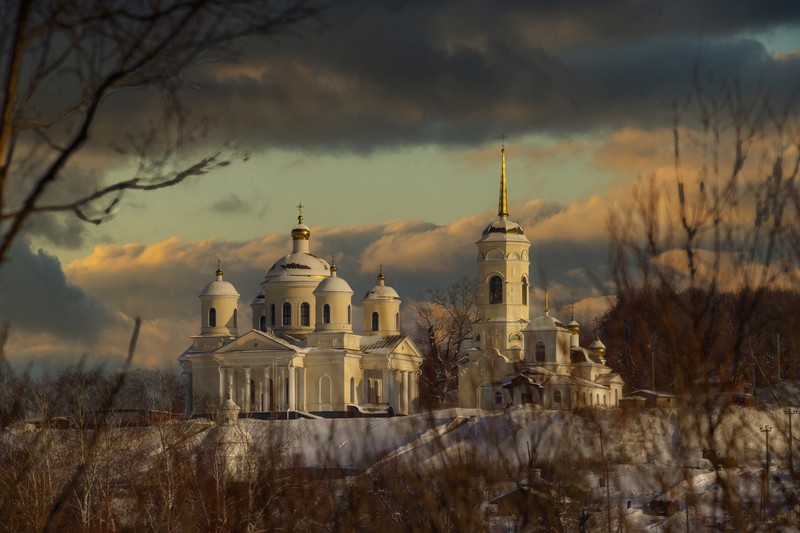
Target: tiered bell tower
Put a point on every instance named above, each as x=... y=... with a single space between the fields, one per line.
x=503 y=281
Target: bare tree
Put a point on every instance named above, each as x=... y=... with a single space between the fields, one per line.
x=701 y=255
x=443 y=328
x=62 y=65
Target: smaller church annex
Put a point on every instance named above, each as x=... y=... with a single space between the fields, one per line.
x=516 y=359
x=301 y=355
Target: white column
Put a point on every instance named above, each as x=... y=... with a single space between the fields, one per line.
x=292 y=389
x=229 y=376
x=222 y=384
x=388 y=389
x=259 y=380
x=404 y=389
x=246 y=406
x=267 y=399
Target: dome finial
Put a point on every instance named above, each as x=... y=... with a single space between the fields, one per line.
x=502 y=208
x=333 y=265
x=219 y=269
x=300 y=213
x=380 y=273
x=546 y=302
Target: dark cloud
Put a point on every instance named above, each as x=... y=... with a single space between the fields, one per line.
x=63 y=230
x=457 y=73
x=231 y=205
x=35 y=296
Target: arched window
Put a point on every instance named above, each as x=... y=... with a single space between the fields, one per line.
x=495 y=290
x=235 y=317
x=397 y=322
x=524 y=291
x=262 y=323
x=305 y=314
x=348 y=313
x=352 y=390
x=557 y=397
x=271 y=314
x=539 y=352
x=326 y=314
x=287 y=314
x=498 y=398
x=325 y=389
x=375 y=321
x=212 y=317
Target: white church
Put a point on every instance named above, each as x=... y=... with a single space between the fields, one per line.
x=303 y=356
x=516 y=359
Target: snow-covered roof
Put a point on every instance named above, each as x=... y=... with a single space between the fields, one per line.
x=218 y=287
x=381 y=344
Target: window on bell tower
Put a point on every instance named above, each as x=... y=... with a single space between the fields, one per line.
x=212 y=317
x=539 y=352
x=326 y=314
x=374 y=321
x=287 y=314
x=495 y=290
x=305 y=314
x=524 y=291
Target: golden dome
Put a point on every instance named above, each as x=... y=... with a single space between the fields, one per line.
x=301 y=231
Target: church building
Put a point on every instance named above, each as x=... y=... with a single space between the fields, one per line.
x=301 y=355
x=516 y=359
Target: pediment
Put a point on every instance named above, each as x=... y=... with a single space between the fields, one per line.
x=255 y=340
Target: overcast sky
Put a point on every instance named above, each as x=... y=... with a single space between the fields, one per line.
x=383 y=121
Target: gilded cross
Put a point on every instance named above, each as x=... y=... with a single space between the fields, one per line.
x=503 y=139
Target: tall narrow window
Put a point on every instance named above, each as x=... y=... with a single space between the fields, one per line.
x=539 y=351
x=375 y=321
x=235 y=317
x=397 y=322
x=271 y=314
x=557 y=396
x=352 y=390
x=287 y=314
x=326 y=314
x=495 y=290
x=305 y=314
x=524 y=291
x=348 y=313
x=262 y=323
x=212 y=317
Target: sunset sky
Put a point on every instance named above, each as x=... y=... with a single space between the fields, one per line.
x=383 y=119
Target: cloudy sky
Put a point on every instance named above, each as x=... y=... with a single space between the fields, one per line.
x=383 y=119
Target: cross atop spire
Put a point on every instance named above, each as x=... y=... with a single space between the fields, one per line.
x=546 y=302
x=300 y=213
x=219 y=268
x=502 y=208
x=503 y=138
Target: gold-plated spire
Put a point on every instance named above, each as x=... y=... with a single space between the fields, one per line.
x=219 y=268
x=300 y=213
x=333 y=265
x=380 y=273
x=502 y=208
x=546 y=302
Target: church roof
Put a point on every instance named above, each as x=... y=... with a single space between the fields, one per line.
x=582 y=355
x=381 y=291
x=381 y=344
x=298 y=265
x=219 y=287
x=545 y=323
x=333 y=283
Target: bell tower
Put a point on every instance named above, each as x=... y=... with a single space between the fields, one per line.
x=503 y=280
